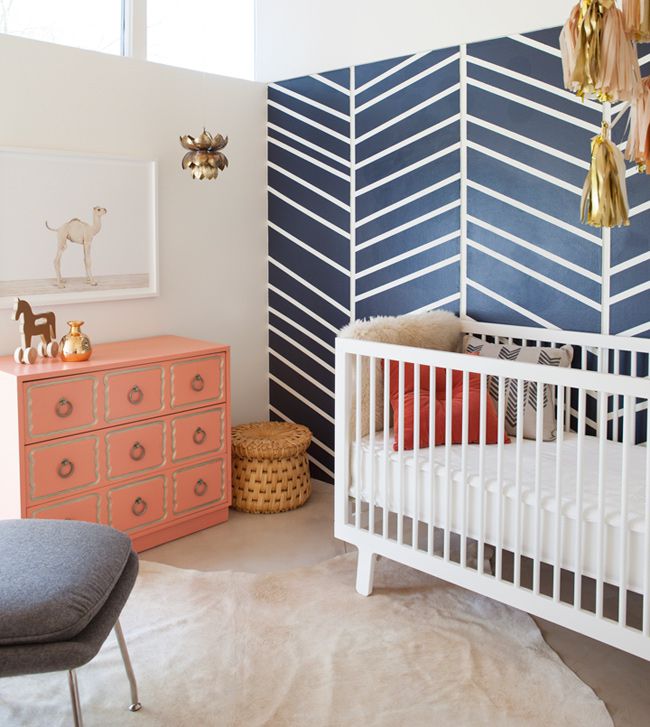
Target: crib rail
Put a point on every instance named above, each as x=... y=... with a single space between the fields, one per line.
x=559 y=528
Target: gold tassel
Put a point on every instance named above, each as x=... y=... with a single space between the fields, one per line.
x=604 y=196
x=637 y=148
x=637 y=19
x=598 y=58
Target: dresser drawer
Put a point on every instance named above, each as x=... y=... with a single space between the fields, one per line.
x=86 y=507
x=135 y=449
x=61 y=467
x=198 y=381
x=134 y=393
x=134 y=506
x=198 y=434
x=60 y=406
x=198 y=486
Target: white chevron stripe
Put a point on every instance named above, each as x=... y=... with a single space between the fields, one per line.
x=309 y=101
x=407 y=225
x=509 y=304
x=391 y=71
x=308 y=212
x=309 y=144
x=533 y=171
x=639 y=209
x=304 y=309
x=538 y=146
x=548 y=111
x=536 y=44
x=311 y=187
x=409 y=112
x=534 y=274
x=314 y=439
x=637 y=330
x=320 y=466
x=406 y=200
x=410 y=168
x=534 y=248
x=631 y=263
x=300 y=347
x=309 y=286
x=308 y=121
x=644 y=60
x=410 y=140
x=308 y=158
x=437 y=304
x=630 y=293
x=537 y=213
x=302 y=373
x=310 y=250
x=530 y=81
x=408 y=278
x=302 y=329
x=301 y=398
x=409 y=82
x=409 y=253
x=331 y=84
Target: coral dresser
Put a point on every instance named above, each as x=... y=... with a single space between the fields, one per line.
x=138 y=437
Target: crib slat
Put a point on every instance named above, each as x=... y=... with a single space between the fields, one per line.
x=416 y=456
x=400 y=455
x=616 y=399
x=580 y=455
x=357 y=440
x=372 y=406
x=628 y=412
x=518 y=464
x=559 y=443
x=500 y=445
x=463 y=470
x=481 y=473
x=600 y=547
x=448 y=478
x=386 y=447
x=539 y=432
x=432 y=443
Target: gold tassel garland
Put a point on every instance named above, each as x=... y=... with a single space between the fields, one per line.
x=598 y=58
x=637 y=148
x=637 y=19
x=604 y=196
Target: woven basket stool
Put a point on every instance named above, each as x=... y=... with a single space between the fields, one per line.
x=270 y=472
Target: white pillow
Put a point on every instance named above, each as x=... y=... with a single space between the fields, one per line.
x=544 y=356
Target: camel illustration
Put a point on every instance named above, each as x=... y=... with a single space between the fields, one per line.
x=82 y=233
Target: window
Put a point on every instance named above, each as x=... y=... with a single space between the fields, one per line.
x=91 y=24
x=216 y=36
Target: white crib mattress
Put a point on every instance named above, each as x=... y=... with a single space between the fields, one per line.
x=380 y=470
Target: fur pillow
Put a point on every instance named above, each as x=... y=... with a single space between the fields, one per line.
x=437 y=329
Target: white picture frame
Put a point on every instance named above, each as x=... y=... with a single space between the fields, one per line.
x=68 y=191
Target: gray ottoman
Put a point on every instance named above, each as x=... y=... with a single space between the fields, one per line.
x=63 y=585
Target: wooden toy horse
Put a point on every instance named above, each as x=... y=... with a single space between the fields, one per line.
x=34 y=324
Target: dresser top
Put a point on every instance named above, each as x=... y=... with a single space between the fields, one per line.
x=137 y=352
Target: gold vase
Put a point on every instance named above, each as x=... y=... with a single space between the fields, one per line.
x=75 y=345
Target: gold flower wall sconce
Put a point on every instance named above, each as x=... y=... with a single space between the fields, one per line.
x=204 y=157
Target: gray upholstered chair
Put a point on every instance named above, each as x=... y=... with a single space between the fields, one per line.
x=63 y=585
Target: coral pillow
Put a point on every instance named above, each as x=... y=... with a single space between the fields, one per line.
x=473 y=413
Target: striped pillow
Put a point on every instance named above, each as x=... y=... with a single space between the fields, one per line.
x=526 y=354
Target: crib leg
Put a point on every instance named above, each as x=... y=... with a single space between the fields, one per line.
x=365 y=571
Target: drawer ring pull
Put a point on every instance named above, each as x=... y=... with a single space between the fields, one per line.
x=63 y=408
x=137 y=452
x=65 y=468
x=139 y=507
x=135 y=395
x=198 y=384
x=199 y=435
x=200 y=488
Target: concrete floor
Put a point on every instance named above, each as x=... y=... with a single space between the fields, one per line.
x=263 y=543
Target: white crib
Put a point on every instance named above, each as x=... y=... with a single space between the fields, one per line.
x=560 y=529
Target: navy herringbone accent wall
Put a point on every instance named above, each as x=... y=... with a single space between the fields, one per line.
x=443 y=179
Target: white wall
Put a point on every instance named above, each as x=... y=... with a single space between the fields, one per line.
x=212 y=234
x=296 y=38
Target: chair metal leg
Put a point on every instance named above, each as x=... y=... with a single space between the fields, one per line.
x=74 y=697
x=135 y=705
